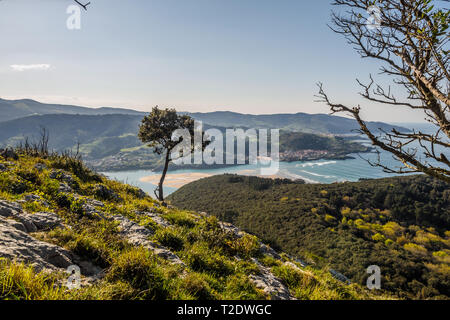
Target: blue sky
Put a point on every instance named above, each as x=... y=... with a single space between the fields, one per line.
x=249 y=56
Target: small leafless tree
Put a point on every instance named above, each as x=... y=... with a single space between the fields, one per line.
x=410 y=39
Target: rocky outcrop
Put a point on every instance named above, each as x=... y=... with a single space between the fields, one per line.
x=43 y=221
x=40 y=167
x=339 y=276
x=35 y=198
x=8 y=209
x=156 y=218
x=17 y=245
x=67 y=182
x=140 y=236
x=271 y=285
x=90 y=211
x=39 y=221
x=230 y=228
x=64 y=188
x=105 y=193
x=265 y=249
x=61 y=175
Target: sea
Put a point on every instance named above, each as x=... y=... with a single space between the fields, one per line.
x=317 y=171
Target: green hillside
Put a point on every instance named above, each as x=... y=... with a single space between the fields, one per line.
x=400 y=224
x=56 y=213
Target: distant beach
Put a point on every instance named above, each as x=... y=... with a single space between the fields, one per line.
x=177 y=180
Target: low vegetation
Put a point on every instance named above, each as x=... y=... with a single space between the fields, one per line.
x=215 y=263
x=400 y=224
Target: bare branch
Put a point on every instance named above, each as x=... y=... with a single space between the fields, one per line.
x=84 y=6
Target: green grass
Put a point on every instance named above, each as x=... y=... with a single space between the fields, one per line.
x=209 y=252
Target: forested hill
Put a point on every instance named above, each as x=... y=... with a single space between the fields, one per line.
x=401 y=224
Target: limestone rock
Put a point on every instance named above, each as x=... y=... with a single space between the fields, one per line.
x=265 y=249
x=270 y=284
x=140 y=236
x=42 y=220
x=8 y=209
x=40 y=166
x=64 y=188
x=228 y=227
x=15 y=244
x=135 y=233
x=339 y=276
x=35 y=198
x=30 y=222
x=158 y=219
x=92 y=212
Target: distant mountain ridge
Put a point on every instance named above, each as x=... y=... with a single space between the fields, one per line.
x=301 y=122
x=15 y=109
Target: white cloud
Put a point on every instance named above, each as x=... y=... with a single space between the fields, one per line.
x=26 y=67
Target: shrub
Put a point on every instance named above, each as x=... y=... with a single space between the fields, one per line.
x=50 y=187
x=21 y=282
x=12 y=184
x=18 y=186
x=73 y=163
x=378 y=237
x=238 y=287
x=201 y=259
x=440 y=254
x=246 y=246
x=30 y=175
x=140 y=269
x=63 y=201
x=170 y=239
x=292 y=277
x=268 y=261
x=104 y=193
x=76 y=207
x=196 y=286
x=414 y=248
x=85 y=245
x=345 y=211
x=180 y=218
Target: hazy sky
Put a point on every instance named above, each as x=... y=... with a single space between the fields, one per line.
x=248 y=56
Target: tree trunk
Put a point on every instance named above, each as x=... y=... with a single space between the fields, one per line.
x=163 y=176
